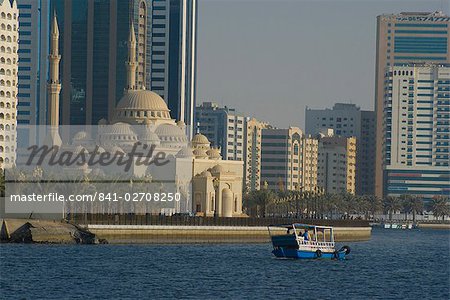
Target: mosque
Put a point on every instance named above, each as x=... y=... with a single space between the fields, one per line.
x=213 y=186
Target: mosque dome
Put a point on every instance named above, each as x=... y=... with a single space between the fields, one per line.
x=206 y=174
x=119 y=134
x=213 y=153
x=217 y=169
x=138 y=105
x=149 y=137
x=81 y=135
x=200 y=139
x=185 y=152
x=171 y=135
x=200 y=153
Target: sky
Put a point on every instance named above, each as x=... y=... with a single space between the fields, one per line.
x=272 y=59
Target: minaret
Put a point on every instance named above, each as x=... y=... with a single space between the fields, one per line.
x=54 y=86
x=131 y=63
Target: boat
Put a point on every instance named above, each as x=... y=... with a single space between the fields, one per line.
x=293 y=244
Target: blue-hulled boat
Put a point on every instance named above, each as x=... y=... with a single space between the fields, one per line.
x=318 y=242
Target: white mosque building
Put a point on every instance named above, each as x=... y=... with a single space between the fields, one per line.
x=212 y=185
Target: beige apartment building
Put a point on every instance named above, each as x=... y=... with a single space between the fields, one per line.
x=310 y=148
x=252 y=154
x=336 y=163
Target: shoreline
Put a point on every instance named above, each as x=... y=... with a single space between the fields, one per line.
x=57 y=232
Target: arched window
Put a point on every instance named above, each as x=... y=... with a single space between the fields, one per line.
x=3 y=49
x=9 y=39
x=3 y=26
x=9 y=28
x=1 y=149
x=2 y=138
x=2 y=104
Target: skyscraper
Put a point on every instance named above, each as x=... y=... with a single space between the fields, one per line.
x=9 y=45
x=404 y=38
x=349 y=120
x=33 y=66
x=94 y=46
x=416 y=130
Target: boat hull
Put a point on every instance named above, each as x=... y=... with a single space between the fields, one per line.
x=300 y=254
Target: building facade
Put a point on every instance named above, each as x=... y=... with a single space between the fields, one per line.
x=404 y=38
x=9 y=45
x=416 y=130
x=224 y=127
x=33 y=67
x=94 y=45
x=310 y=151
x=349 y=120
x=252 y=154
x=281 y=160
x=337 y=164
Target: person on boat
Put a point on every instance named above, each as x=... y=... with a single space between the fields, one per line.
x=306 y=235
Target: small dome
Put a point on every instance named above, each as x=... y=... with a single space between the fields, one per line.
x=171 y=135
x=213 y=153
x=217 y=169
x=149 y=137
x=81 y=135
x=200 y=139
x=205 y=174
x=185 y=152
x=119 y=128
x=102 y=122
x=200 y=153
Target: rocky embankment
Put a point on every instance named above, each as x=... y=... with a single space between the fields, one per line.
x=45 y=232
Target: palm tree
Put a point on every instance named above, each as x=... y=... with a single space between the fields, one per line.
x=416 y=206
x=440 y=207
x=391 y=204
x=405 y=202
x=375 y=204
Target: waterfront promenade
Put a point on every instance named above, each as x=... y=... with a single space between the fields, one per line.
x=160 y=229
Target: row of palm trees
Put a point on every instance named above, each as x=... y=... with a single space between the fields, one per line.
x=318 y=205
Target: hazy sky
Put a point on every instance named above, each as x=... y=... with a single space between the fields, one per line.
x=271 y=59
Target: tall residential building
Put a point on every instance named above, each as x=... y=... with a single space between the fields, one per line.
x=33 y=66
x=337 y=164
x=349 y=120
x=224 y=127
x=416 y=130
x=281 y=159
x=9 y=45
x=404 y=38
x=310 y=150
x=252 y=154
x=94 y=38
